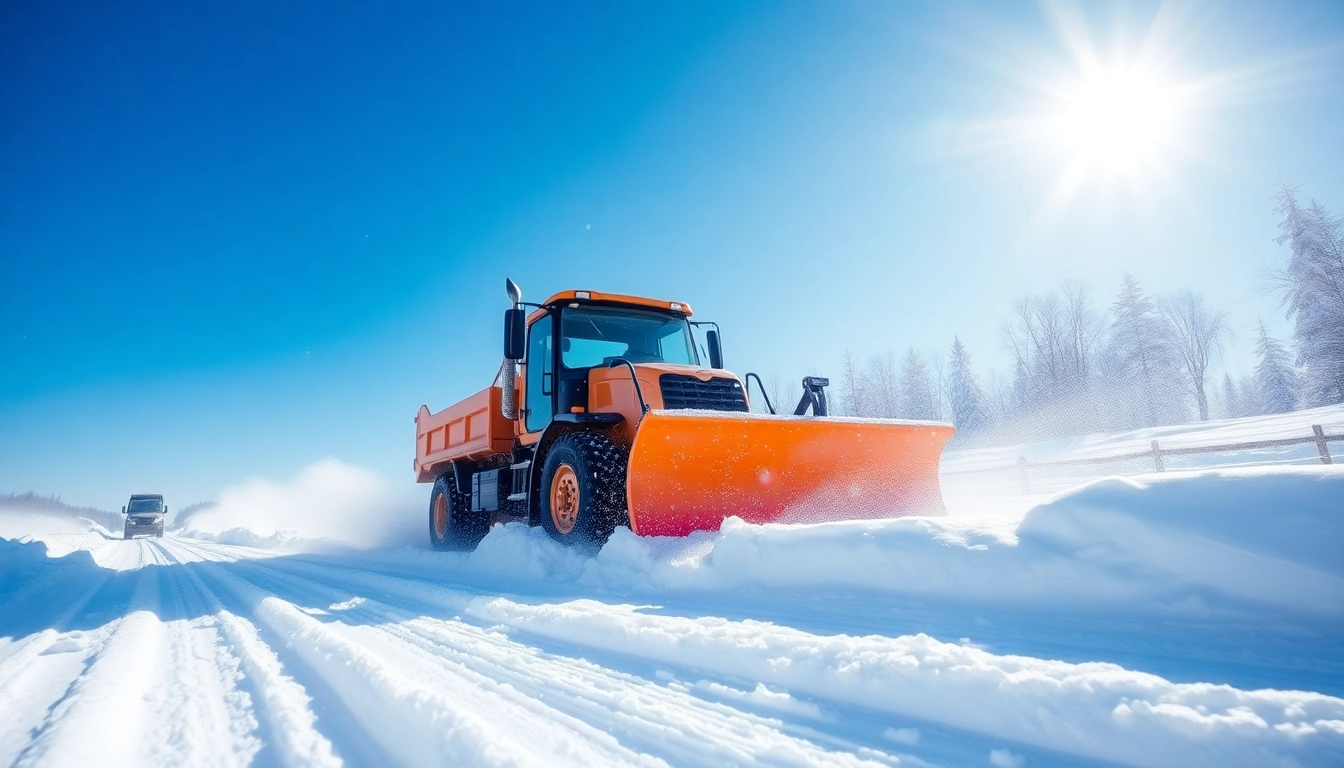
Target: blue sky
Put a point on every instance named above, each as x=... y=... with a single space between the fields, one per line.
x=238 y=238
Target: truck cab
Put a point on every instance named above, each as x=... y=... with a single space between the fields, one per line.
x=591 y=353
x=144 y=515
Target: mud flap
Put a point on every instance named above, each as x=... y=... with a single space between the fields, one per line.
x=691 y=469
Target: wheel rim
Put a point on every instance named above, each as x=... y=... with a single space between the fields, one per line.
x=564 y=499
x=441 y=515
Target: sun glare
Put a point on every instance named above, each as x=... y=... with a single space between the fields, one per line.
x=1116 y=120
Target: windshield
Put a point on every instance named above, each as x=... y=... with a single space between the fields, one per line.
x=593 y=336
x=143 y=506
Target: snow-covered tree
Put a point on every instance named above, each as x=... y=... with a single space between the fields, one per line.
x=1141 y=362
x=970 y=405
x=1313 y=292
x=1201 y=333
x=1248 y=396
x=938 y=367
x=1053 y=340
x=882 y=387
x=1275 y=378
x=1231 y=400
x=853 y=399
x=917 y=397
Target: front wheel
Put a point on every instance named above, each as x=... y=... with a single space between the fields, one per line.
x=583 y=488
x=452 y=524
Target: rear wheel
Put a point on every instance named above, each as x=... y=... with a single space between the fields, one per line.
x=452 y=524
x=583 y=488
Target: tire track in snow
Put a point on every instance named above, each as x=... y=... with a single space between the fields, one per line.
x=412 y=722
x=336 y=726
x=103 y=714
x=447 y=638
x=201 y=715
x=284 y=704
x=38 y=673
x=1096 y=710
x=466 y=659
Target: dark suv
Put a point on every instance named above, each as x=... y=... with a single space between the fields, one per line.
x=144 y=515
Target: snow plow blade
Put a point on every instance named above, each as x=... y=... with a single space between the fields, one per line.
x=690 y=470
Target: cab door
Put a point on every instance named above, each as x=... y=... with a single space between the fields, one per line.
x=539 y=376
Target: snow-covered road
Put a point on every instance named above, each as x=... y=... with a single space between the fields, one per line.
x=1080 y=635
x=178 y=652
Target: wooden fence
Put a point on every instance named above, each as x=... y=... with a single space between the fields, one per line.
x=1155 y=452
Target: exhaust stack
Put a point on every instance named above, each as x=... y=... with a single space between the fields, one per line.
x=508 y=404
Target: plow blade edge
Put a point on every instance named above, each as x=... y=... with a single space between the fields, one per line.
x=690 y=470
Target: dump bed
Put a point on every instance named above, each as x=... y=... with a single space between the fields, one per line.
x=471 y=429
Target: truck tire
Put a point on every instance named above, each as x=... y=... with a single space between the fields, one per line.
x=452 y=524
x=127 y=535
x=582 y=493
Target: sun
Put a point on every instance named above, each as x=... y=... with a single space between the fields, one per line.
x=1117 y=120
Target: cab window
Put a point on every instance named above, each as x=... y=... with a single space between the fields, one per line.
x=595 y=336
x=540 y=376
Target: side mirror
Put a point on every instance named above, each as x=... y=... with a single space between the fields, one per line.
x=123 y=509
x=165 y=510
x=515 y=334
x=715 y=351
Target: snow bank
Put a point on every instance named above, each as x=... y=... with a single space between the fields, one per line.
x=328 y=500
x=1269 y=536
x=60 y=535
x=1174 y=543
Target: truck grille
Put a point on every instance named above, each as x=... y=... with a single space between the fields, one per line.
x=717 y=394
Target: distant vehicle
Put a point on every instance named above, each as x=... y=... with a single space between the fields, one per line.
x=144 y=515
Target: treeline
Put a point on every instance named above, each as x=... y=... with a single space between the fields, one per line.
x=1140 y=361
x=52 y=506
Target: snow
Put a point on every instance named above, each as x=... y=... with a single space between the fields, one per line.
x=1188 y=618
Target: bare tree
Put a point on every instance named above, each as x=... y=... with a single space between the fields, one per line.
x=882 y=387
x=1201 y=333
x=940 y=385
x=1053 y=340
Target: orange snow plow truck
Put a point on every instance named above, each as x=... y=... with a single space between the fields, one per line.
x=605 y=414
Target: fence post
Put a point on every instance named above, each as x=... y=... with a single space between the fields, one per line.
x=1321 y=446
x=1157 y=458
x=1026 y=480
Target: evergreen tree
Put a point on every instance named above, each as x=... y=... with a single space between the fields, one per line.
x=917 y=398
x=970 y=406
x=1313 y=291
x=1231 y=402
x=1275 y=378
x=1248 y=395
x=1142 y=361
x=852 y=396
